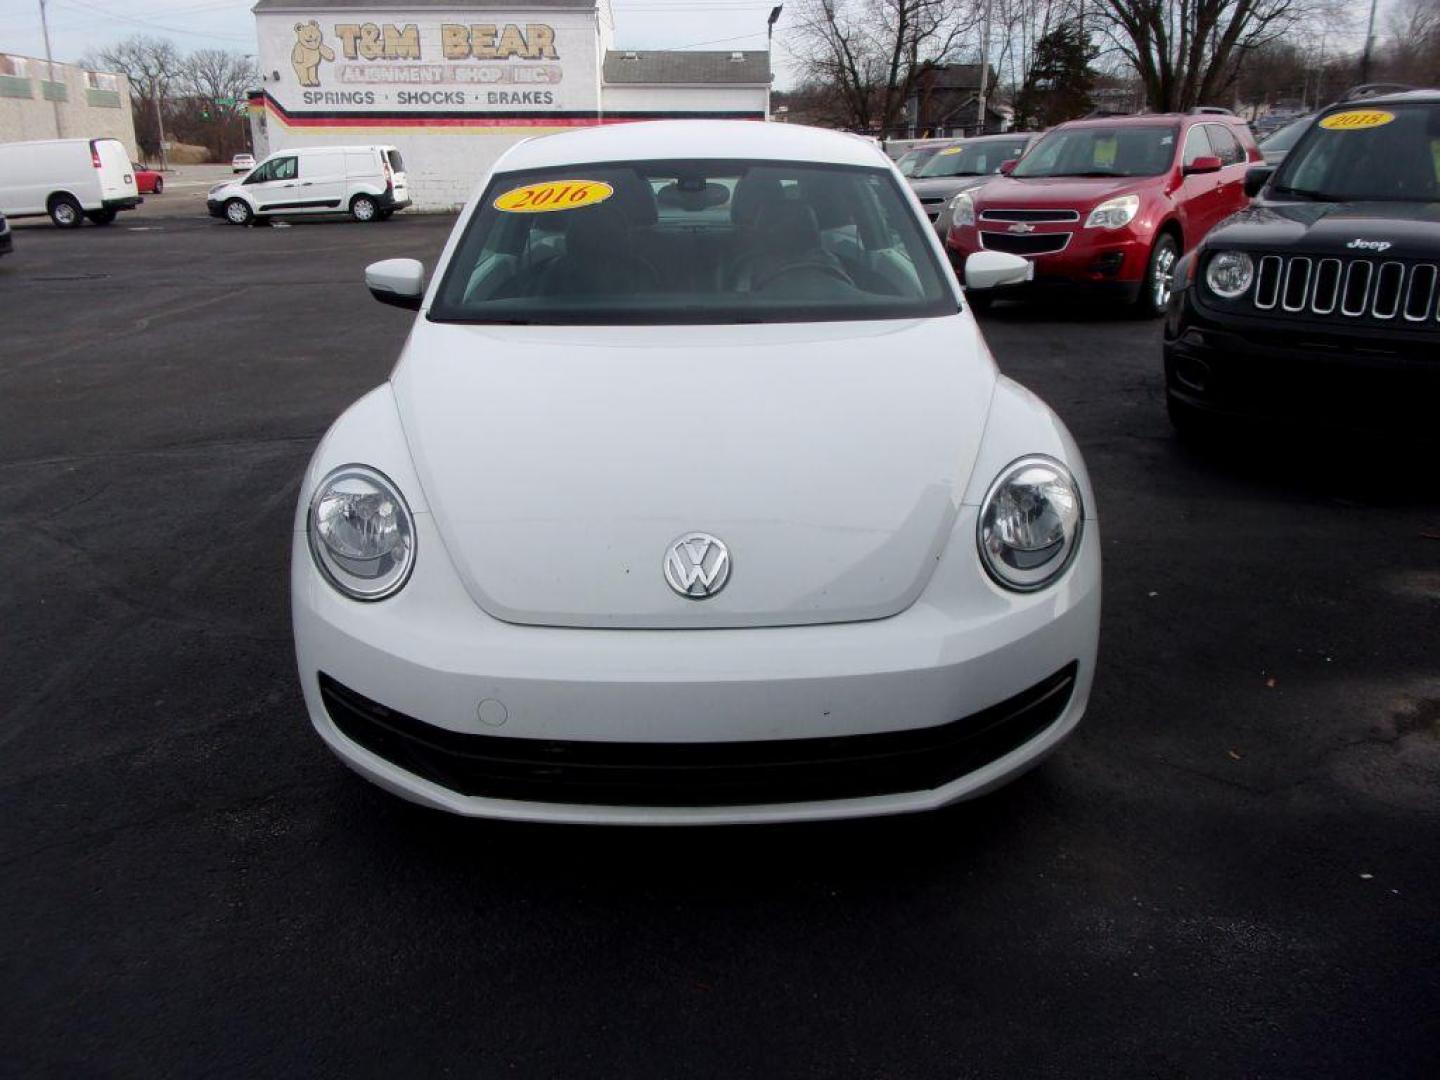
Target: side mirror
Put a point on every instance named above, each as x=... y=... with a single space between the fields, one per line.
x=1205 y=164
x=1256 y=178
x=399 y=282
x=1008 y=166
x=991 y=269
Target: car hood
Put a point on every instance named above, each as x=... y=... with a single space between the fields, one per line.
x=1406 y=229
x=947 y=186
x=560 y=463
x=1059 y=192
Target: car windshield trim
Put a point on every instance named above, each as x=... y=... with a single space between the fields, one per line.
x=695 y=241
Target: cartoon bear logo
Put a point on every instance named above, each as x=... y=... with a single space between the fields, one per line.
x=310 y=49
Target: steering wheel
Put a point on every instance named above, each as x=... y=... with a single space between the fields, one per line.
x=821 y=265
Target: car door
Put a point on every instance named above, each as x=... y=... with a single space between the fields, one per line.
x=322 y=187
x=275 y=185
x=1199 y=202
x=1230 y=194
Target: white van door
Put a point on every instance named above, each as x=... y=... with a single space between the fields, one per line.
x=322 y=182
x=112 y=165
x=397 y=175
x=273 y=186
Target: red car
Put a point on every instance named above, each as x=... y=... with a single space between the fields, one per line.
x=1111 y=204
x=148 y=181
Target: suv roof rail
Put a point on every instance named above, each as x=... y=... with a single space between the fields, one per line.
x=1365 y=90
x=1103 y=113
x=1216 y=110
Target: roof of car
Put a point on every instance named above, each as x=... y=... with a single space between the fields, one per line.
x=665 y=139
x=1403 y=97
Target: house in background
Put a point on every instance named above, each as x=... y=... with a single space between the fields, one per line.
x=945 y=101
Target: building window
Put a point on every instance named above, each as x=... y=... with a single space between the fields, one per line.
x=102 y=91
x=14 y=78
x=99 y=80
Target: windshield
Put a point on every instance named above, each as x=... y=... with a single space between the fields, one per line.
x=972 y=158
x=1100 y=151
x=693 y=241
x=1373 y=153
x=1285 y=139
x=912 y=160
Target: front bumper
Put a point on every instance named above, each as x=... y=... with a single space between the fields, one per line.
x=432 y=699
x=1363 y=378
x=215 y=209
x=7 y=242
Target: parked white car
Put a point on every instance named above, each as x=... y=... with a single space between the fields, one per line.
x=366 y=182
x=695 y=496
x=242 y=163
x=68 y=179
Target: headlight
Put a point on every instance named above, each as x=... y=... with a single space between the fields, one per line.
x=1114 y=213
x=362 y=536
x=1230 y=274
x=1030 y=522
x=962 y=209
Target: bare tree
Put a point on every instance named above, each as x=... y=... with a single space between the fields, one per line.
x=151 y=64
x=869 y=53
x=1189 y=52
x=1415 y=55
x=217 y=74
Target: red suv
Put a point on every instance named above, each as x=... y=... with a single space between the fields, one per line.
x=1111 y=204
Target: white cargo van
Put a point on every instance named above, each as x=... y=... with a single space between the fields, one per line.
x=366 y=182
x=69 y=179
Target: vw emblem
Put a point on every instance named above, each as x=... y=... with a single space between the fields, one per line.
x=1021 y=227
x=697 y=566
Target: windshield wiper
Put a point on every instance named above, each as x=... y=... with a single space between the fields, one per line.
x=1301 y=193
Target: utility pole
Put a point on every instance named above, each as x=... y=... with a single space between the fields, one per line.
x=50 y=69
x=160 y=125
x=769 y=49
x=984 y=68
x=1369 y=41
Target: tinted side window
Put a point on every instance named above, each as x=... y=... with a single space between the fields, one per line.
x=1227 y=148
x=1197 y=145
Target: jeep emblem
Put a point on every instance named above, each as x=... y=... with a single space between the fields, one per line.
x=1370 y=245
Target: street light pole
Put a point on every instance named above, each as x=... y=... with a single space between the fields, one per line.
x=160 y=126
x=984 y=67
x=769 y=52
x=50 y=68
x=1369 y=41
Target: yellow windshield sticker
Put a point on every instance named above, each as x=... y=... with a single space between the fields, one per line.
x=1356 y=120
x=951 y=150
x=553 y=195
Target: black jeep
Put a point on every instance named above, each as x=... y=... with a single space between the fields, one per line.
x=1320 y=303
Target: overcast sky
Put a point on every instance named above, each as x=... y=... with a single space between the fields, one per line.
x=79 y=25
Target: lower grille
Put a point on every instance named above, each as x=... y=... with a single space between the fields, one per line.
x=1383 y=289
x=1025 y=243
x=698 y=774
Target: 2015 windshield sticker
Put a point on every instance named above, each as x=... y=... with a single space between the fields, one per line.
x=551 y=195
x=951 y=150
x=1356 y=120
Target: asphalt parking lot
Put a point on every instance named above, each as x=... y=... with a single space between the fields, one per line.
x=1231 y=868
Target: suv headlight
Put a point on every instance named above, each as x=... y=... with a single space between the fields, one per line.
x=962 y=209
x=362 y=535
x=1114 y=213
x=1229 y=274
x=1030 y=523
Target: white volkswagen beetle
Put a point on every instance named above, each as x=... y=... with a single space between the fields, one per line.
x=695 y=496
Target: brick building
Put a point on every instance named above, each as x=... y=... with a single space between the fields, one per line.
x=62 y=101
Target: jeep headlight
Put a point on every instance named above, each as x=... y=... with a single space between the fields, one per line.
x=962 y=209
x=362 y=535
x=1114 y=213
x=1229 y=274
x=1030 y=523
